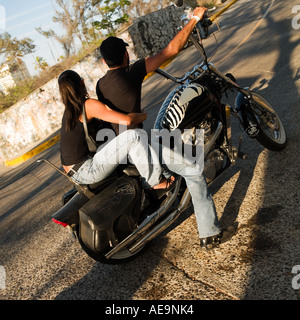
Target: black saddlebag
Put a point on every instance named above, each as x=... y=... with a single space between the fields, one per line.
x=109 y=217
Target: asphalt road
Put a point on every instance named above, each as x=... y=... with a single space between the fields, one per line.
x=257 y=43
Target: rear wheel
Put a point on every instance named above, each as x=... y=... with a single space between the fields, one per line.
x=121 y=257
x=271 y=134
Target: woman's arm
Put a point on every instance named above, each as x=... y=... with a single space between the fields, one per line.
x=97 y=109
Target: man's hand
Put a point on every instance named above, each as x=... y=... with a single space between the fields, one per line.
x=175 y=45
x=199 y=12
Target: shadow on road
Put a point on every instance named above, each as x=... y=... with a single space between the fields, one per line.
x=275 y=245
x=276 y=227
x=119 y=282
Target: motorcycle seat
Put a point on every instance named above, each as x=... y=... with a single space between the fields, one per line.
x=130 y=170
x=102 y=183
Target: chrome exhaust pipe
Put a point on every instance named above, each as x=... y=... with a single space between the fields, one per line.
x=148 y=223
x=164 y=224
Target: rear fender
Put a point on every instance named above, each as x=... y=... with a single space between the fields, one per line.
x=69 y=213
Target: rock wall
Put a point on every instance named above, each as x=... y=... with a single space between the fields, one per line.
x=154 y=31
x=36 y=117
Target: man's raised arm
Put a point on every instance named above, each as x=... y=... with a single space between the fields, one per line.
x=176 y=44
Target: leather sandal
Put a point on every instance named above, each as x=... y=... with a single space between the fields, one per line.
x=165 y=184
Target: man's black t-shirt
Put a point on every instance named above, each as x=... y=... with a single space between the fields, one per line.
x=121 y=88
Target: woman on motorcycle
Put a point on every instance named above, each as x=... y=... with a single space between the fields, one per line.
x=132 y=144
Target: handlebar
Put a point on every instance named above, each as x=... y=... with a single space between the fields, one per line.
x=189 y=13
x=198 y=71
x=206 y=21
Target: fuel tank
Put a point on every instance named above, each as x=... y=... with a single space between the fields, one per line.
x=183 y=107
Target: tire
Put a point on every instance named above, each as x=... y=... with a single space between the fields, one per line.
x=121 y=257
x=271 y=134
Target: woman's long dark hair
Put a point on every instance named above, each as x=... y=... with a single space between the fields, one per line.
x=73 y=93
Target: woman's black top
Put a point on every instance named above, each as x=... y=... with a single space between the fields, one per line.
x=73 y=147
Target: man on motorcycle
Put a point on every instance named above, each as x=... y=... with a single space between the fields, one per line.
x=120 y=89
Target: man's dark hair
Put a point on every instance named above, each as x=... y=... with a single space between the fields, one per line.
x=112 y=51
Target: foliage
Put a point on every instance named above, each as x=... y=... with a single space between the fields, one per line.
x=74 y=17
x=26 y=87
x=11 y=48
x=80 y=18
x=15 y=94
x=40 y=63
x=112 y=13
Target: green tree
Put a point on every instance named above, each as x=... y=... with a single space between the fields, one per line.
x=63 y=16
x=112 y=13
x=74 y=16
x=11 y=48
x=40 y=63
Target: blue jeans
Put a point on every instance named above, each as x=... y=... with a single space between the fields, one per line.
x=150 y=160
x=130 y=145
x=205 y=212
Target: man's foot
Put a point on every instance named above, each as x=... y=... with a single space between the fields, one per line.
x=165 y=183
x=212 y=242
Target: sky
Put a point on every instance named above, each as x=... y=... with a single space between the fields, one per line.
x=20 y=18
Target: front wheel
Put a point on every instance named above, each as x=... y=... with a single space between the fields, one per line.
x=271 y=134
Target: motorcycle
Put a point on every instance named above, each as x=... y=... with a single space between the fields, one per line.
x=115 y=219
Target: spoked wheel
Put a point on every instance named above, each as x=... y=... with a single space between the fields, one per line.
x=272 y=134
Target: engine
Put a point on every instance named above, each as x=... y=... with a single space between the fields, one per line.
x=216 y=160
x=188 y=107
x=214 y=163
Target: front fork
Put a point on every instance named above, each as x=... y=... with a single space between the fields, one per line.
x=242 y=109
x=244 y=113
x=232 y=152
